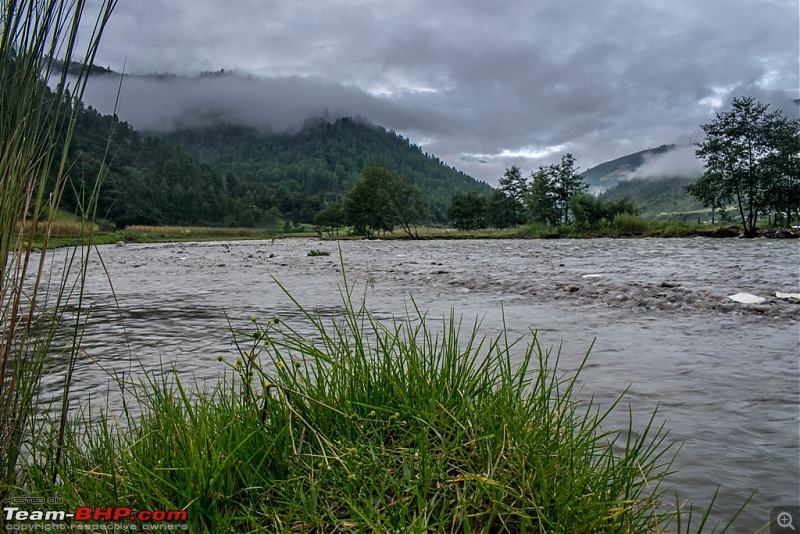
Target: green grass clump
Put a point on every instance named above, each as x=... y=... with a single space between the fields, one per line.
x=416 y=425
x=628 y=223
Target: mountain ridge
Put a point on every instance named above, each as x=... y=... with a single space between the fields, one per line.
x=658 y=192
x=608 y=173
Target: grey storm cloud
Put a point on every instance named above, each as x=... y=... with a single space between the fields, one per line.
x=483 y=85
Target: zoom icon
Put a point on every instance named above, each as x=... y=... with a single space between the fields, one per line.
x=784 y=519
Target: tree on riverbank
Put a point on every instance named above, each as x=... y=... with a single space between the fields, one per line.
x=467 y=211
x=752 y=161
x=555 y=194
x=382 y=201
x=515 y=186
x=539 y=200
x=553 y=186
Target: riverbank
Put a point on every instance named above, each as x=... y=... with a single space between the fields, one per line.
x=639 y=229
x=164 y=234
x=75 y=234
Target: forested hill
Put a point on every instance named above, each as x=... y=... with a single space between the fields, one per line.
x=148 y=181
x=233 y=176
x=299 y=173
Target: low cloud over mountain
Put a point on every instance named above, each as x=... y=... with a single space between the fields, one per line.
x=483 y=87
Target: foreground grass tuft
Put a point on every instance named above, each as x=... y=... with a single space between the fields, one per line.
x=415 y=425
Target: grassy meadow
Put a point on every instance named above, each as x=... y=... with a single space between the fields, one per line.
x=75 y=233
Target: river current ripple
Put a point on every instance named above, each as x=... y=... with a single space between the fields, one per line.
x=724 y=376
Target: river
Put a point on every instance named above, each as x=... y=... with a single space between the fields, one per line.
x=725 y=376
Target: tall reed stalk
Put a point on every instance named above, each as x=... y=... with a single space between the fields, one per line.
x=39 y=42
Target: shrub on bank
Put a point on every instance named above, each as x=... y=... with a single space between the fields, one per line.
x=627 y=223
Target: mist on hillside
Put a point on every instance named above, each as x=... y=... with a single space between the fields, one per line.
x=681 y=162
x=476 y=142
x=165 y=103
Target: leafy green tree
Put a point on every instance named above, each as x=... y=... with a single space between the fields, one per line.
x=405 y=201
x=366 y=210
x=540 y=201
x=514 y=185
x=566 y=183
x=750 y=159
x=784 y=167
x=587 y=210
x=467 y=211
x=330 y=219
x=501 y=210
x=709 y=190
x=382 y=200
x=552 y=187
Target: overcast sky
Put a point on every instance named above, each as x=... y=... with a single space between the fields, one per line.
x=482 y=84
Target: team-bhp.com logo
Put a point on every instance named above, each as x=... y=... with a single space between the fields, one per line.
x=88 y=518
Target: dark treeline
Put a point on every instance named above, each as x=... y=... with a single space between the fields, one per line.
x=234 y=176
x=299 y=174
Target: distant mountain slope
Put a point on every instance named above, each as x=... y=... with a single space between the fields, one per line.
x=301 y=172
x=657 y=196
x=606 y=175
x=655 y=179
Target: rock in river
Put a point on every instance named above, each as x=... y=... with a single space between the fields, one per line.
x=747 y=298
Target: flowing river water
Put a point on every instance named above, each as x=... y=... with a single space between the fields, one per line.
x=725 y=376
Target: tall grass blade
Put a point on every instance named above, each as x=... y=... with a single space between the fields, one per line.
x=38 y=43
